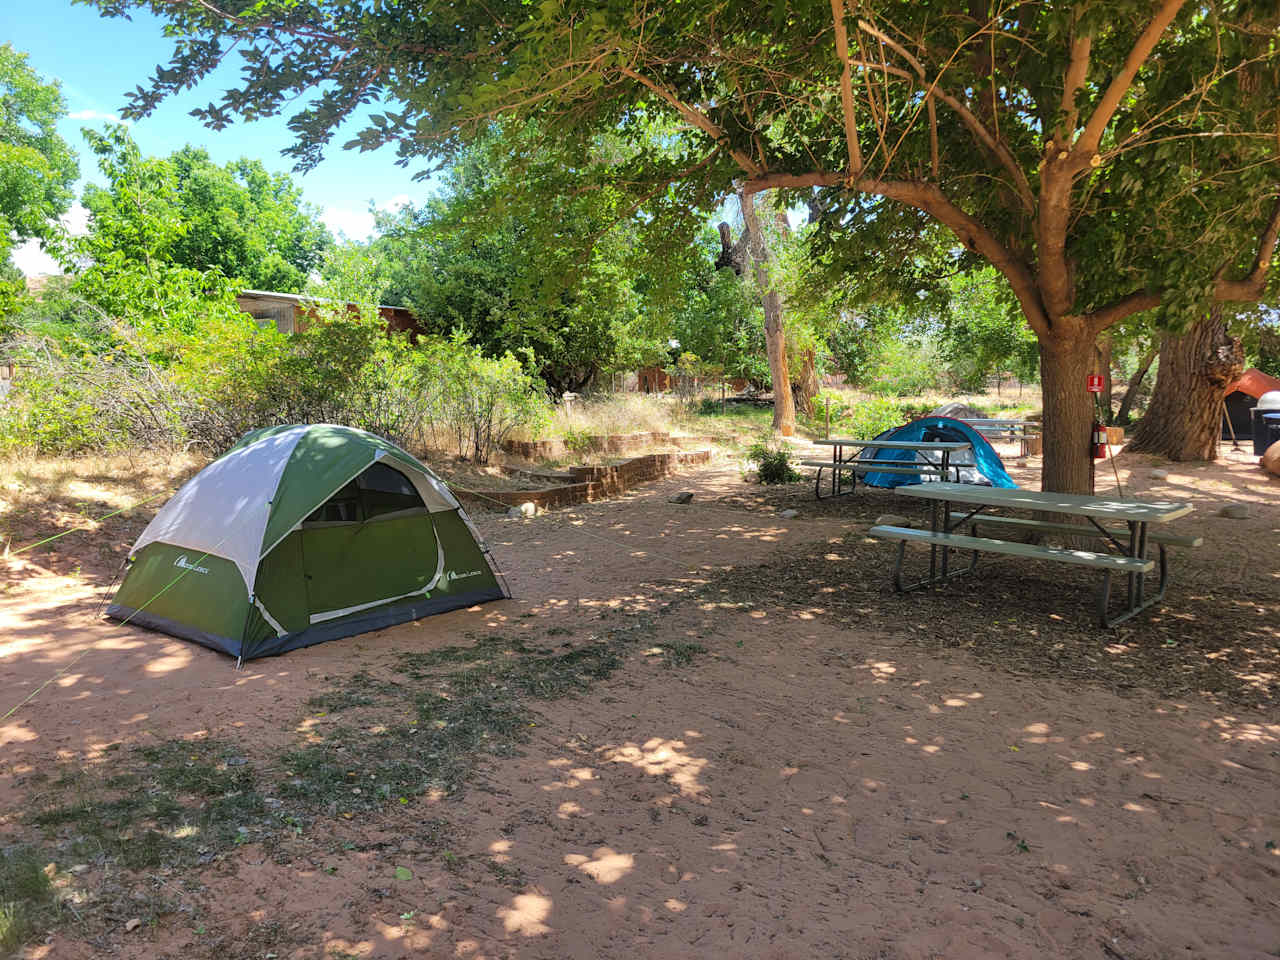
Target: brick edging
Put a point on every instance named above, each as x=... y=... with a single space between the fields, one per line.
x=591 y=483
x=554 y=448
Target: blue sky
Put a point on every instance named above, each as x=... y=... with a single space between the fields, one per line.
x=97 y=60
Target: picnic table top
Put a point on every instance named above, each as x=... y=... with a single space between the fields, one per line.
x=1075 y=504
x=985 y=421
x=939 y=445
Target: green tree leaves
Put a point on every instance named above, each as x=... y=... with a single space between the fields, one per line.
x=37 y=168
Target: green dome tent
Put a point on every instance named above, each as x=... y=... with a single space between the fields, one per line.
x=301 y=534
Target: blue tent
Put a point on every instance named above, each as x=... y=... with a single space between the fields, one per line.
x=983 y=466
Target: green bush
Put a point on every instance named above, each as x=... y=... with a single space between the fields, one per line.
x=773 y=464
x=867 y=418
x=578 y=441
x=67 y=401
x=833 y=402
x=46 y=414
x=483 y=399
x=905 y=369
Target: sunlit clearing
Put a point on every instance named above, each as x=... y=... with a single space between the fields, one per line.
x=604 y=866
x=662 y=758
x=526 y=914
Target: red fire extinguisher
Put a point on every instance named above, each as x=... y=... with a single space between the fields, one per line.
x=1099 y=440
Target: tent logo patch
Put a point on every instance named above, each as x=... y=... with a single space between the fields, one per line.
x=186 y=564
x=462 y=576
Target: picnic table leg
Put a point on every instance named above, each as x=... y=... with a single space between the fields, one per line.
x=1136 y=600
x=1142 y=554
x=933 y=547
x=946 y=526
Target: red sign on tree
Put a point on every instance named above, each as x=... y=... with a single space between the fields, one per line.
x=1095 y=383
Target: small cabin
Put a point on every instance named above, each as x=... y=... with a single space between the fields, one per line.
x=288 y=311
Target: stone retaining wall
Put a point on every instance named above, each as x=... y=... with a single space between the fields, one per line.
x=591 y=483
x=554 y=448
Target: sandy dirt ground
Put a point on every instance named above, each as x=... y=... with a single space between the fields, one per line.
x=842 y=773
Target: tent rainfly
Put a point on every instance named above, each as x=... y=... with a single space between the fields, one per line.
x=980 y=464
x=302 y=534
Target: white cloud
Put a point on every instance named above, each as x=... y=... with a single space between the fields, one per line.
x=352 y=224
x=31 y=260
x=98 y=115
x=396 y=202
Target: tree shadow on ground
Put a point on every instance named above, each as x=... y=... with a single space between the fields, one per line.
x=1037 y=619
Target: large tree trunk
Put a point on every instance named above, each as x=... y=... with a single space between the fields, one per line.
x=1065 y=365
x=1135 y=381
x=806 y=386
x=775 y=334
x=1184 y=420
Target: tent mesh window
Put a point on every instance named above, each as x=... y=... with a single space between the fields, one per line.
x=378 y=491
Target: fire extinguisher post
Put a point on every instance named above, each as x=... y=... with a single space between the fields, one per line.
x=1093 y=464
x=1094 y=386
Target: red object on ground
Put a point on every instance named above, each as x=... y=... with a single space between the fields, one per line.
x=1255 y=383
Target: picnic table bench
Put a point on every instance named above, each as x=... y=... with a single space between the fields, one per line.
x=856 y=465
x=1026 y=432
x=1129 y=559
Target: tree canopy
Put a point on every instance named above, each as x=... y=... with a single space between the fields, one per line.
x=245 y=221
x=239 y=220
x=37 y=167
x=1105 y=158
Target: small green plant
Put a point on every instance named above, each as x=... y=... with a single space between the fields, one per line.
x=773 y=464
x=578 y=441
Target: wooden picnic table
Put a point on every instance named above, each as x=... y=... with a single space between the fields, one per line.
x=855 y=463
x=1126 y=552
x=1024 y=431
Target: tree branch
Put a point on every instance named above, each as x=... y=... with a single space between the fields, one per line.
x=1137 y=302
x=1087 y=145
x=1246 y=290
x=929 y=198
x=1077 y=71
x=846 y=90
x=697 y=119
x=975 y=126
x=1251 y=287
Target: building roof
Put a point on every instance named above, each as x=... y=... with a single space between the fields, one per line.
x=1255 y=383
x=301 y=298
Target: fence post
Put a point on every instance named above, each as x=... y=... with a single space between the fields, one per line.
x=827 y=435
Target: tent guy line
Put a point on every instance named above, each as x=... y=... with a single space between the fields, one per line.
x=92 y=523
x=80 y=656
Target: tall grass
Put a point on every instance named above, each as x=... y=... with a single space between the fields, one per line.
x=28 y=901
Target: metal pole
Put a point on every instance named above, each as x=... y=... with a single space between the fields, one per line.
x=1235 y=445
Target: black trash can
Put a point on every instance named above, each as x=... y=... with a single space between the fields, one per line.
x=1270 y=431
x=1268 y=406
